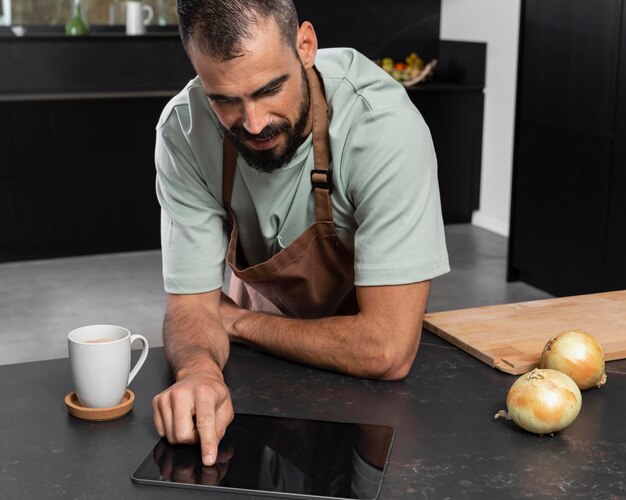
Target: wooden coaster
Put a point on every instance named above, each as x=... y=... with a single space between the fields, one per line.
x=99 y=414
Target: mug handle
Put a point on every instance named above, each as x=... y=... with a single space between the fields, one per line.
x=142 y=358
x=148 y=9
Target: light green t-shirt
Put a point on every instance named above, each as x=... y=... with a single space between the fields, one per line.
x=386 y=204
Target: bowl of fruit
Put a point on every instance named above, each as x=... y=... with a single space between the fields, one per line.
x=409 y=72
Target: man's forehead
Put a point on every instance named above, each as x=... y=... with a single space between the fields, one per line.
x=242 y=76
x=215 y=92
x=257 y=66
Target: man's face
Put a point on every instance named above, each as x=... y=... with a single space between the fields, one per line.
x=261 y=99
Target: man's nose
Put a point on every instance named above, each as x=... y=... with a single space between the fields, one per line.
x=254 y=120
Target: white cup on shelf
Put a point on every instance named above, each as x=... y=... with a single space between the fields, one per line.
x=138 y=16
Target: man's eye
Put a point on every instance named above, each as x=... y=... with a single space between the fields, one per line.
x=273 y=90
x=220 y=101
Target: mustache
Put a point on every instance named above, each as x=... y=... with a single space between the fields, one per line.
x=270 y=130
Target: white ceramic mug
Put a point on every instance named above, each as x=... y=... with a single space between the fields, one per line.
x=138 y=15
x=100 y=359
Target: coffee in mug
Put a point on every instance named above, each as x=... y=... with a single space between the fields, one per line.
x=100 y=360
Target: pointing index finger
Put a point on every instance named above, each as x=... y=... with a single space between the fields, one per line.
x=205 y=424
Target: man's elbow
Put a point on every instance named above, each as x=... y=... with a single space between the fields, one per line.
x=394 y=364
x=398 y=371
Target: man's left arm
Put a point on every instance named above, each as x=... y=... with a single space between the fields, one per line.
x=379 y=342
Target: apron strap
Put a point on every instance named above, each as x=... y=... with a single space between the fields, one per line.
x=229 y=165
x=321 y=176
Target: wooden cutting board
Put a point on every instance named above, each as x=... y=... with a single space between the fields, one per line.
x=510 y=337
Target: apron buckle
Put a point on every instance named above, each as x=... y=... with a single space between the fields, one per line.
x=322 y=179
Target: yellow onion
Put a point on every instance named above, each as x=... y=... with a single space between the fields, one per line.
x=578 y=355
x=542 y=401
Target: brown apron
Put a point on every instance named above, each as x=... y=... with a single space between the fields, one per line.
x=314 y=276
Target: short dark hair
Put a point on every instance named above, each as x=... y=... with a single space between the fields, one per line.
x=219 y=27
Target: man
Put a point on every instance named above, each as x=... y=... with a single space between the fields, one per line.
x=310 y=172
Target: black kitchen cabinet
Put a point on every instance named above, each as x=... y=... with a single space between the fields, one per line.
x=454 y=117
x=393 y=28
x=77 y=134
x=568 y=211
x=452 y=104
x=79 y=177
x=616 y=240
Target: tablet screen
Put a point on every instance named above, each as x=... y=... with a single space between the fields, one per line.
x=287 y=457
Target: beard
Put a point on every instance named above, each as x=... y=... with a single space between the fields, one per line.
x=269 y=161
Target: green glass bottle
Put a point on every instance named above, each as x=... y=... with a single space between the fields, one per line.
x=76 y=26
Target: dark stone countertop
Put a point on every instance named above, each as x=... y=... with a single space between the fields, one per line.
x=447 y=442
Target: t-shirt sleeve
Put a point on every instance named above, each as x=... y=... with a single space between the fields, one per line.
x=393 y=185
x=193 y=239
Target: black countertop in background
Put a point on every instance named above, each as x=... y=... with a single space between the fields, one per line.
x=107 y=62
x=35 y=30
x=447 y=442
x=46 y=63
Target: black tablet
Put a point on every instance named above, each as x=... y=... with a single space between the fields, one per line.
x=279 y=457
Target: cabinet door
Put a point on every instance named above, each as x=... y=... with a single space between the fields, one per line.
x=7 y=204
x=455 y=120
x=568 y=64
x=615 y=269
x=34 y=175
x=560 y=209
x=83 y=176
x=564 y=142
x=106 y=182
x=392 y=28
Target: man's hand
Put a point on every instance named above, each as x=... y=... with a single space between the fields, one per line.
x=196 y=348
x=202 y=395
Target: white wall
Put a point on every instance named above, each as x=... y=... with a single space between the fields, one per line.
x=5 y=18
x=497 y=23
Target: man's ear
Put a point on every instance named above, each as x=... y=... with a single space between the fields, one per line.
x=306 y=44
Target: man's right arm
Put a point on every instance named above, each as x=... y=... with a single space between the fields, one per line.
x=196 y=348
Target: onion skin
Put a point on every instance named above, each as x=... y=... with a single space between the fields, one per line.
x=577 y=354
x=543 y=401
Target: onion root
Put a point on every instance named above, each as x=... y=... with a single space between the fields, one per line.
x=503 y=414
